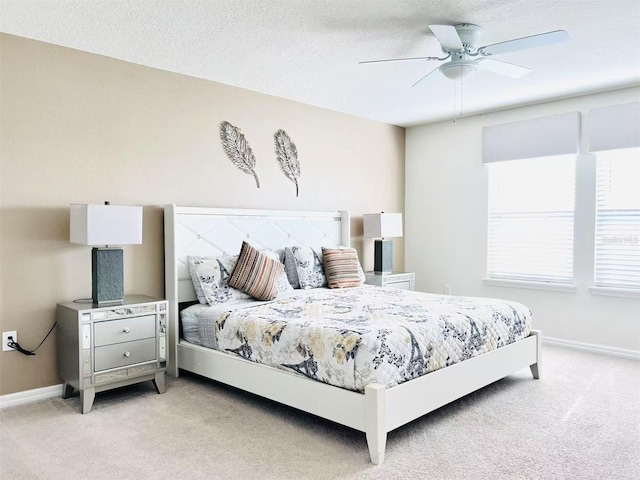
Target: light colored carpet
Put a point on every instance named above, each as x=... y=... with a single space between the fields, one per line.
x=580 y=421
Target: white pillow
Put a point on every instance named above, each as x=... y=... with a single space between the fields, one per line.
x=309 y=268
x=210 y=275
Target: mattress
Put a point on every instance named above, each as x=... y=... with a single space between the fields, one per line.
x=358 y=336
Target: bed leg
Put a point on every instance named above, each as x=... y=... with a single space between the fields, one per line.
x=537 y=367
x=376 y=421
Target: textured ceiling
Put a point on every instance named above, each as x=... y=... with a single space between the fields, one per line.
x=308 y=50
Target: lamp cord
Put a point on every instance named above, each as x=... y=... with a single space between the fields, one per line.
x=24 y=351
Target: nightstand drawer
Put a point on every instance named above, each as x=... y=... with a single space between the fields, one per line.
x=125 y=330
x=399 y=280
x=121 y=354
x=404 y=285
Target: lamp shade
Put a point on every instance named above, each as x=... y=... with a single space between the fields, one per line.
x=381 y=225
x=105 y=225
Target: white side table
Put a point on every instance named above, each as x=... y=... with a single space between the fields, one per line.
x=400 y=280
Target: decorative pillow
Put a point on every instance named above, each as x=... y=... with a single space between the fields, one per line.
x=283 y=280
x=195 y=279
x=363 y=277
x=290 y=268
x=309 y=268
x=256 y=274
x=342 y=268
x=229 y=262
x=209 y=276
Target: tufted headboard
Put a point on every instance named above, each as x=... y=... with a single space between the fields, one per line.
x=216 y=231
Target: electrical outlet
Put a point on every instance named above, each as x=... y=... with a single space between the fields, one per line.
x=447 y=289
x=5 y=339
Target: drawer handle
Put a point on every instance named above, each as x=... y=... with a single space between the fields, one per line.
x=127 y=354
x=126 y=330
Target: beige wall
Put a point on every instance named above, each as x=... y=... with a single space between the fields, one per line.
x=81 y=128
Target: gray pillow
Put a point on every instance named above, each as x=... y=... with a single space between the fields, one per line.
x=290 y=268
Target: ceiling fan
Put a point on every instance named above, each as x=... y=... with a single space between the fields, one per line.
x=459 y=44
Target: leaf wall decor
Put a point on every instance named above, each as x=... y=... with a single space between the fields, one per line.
x=287 y=156
x=238 y=150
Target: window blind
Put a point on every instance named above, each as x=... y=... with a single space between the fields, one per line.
x=617 y=252
x=533 y=138
x=614 y=127
x=531 y=211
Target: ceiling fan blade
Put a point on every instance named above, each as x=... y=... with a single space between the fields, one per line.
x=447 y=36
x=425 y=76
x=400 y=59
x=503 y=68
x=540 y=40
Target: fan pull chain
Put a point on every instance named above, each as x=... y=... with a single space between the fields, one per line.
x=461 y=95
x=455 y=100
x=458 y=113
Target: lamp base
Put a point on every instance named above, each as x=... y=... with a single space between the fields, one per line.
x=383 y=256
x=107 y=279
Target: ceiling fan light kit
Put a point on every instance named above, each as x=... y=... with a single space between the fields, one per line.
x=459 y=42
x=459 y=70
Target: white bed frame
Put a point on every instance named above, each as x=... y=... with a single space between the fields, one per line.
x=214 y=231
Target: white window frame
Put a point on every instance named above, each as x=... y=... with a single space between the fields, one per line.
x=585 y=208
x=548 y=136
x=600 y=287
x=610 y=127
x=551 y=278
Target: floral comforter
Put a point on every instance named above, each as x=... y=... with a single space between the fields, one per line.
x=357 y=336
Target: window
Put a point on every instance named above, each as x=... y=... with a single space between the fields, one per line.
x=532 y=183
x=617 y=251
x=531 y=209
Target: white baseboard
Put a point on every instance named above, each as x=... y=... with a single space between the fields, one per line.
x=28 y=396
x=590 y=347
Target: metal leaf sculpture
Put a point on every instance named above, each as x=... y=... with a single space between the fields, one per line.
x=238 y=150
x=287 y=156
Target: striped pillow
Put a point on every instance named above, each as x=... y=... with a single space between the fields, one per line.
x=342 y=267
x=256 y=274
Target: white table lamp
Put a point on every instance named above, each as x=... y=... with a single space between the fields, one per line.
x=381 y=226
x=106 y=225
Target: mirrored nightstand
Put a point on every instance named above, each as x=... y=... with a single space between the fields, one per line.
x=401 y=280
x=100 y=348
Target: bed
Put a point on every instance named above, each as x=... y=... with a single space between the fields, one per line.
x=363 y=399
